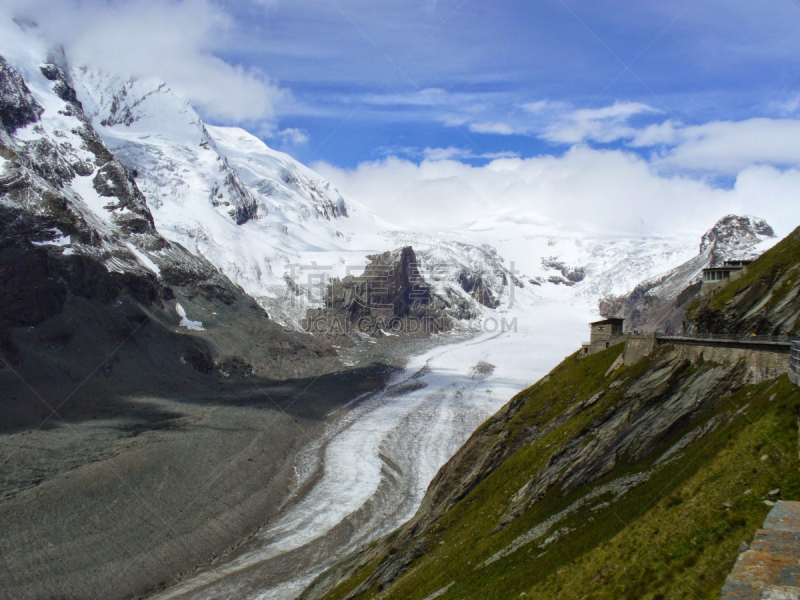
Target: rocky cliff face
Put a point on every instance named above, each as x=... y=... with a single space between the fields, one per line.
x=390 y=297
x=660 y=303
x=735 y=237
x=554 y=494
x=17 y=106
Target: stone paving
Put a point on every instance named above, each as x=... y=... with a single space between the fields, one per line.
x=770 y=568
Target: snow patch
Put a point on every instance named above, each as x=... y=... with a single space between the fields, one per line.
x=144 y=259
x=186 y=322
x=60 y=241
x=84 y=186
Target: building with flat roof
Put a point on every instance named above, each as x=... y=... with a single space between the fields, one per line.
x=604 y=334
x=716 y=277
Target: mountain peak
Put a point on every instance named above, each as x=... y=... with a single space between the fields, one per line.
x=735 y=237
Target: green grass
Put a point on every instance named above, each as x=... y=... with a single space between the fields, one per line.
x=670 y=537
x=679 y=540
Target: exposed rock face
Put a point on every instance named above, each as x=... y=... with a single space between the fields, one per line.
x=733 y=237
x=652 y=406
x=390 y=296
x=37 y=279
x=463 y=278
x=243 y=206
x=569 y=275
x=660 y=303
x=17 y=107
x=476 y=287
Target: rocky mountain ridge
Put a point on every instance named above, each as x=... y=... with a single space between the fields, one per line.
x=735 y=238
x=391 y=297
x=765 y=300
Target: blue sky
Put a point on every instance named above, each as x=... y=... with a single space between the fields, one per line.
x=368 y=78
x=440 y=113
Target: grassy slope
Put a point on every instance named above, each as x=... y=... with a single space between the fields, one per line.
x=670 y=537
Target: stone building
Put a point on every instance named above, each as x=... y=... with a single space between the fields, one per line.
x=794 y=362
x=604 y=334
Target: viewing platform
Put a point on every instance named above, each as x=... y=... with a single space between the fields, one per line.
x=724 y=338
x=767 y=357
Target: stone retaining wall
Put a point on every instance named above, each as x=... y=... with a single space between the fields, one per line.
x=639 y=346
x=770 y=568
x=763 y=364
x=765 y=361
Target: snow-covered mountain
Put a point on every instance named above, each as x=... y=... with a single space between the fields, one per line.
x=81 y=251
x=255 y=213
x=270 y=223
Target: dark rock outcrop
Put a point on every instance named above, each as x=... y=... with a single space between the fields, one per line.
x=390 y=296
x=569 y=275
x=243 y=207
x=475 y=286
x=17 y=106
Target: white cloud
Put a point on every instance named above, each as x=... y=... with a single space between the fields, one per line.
x=786 y=107
x=727 y=146
x=454 y=153
x=426 y=97
x=589 y=190
x=146 y=38
x=293 y=136
x=547 y=108
x=536 y=107
x=451 y=153
x=496 y=128
x=656 y=134
x=603 y=125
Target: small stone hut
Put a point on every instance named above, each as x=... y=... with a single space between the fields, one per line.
x=604 y=334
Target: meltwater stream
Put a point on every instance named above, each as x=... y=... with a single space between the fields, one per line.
x=377 y=463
